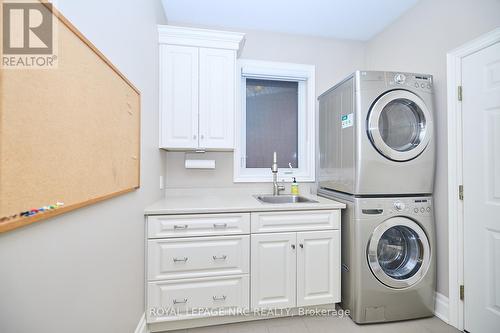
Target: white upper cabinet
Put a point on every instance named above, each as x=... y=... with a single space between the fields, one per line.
x=179 y=96
x=217 y=98
x=197 y=88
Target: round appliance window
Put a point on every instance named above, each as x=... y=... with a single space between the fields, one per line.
x=399 y=252
x=401 y=124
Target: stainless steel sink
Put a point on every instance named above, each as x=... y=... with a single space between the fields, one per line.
x=283 y=199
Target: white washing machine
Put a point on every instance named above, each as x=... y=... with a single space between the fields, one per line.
x=376 y=134
x=388 y=258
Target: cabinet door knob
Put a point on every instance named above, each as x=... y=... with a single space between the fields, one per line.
x=301 y=246
x=293 y=246
x=194 y=136
x=202 y=136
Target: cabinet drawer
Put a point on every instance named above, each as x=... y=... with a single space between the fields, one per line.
x=295 y=221
x=198 y=257
x=164 y=226
x=181 y=299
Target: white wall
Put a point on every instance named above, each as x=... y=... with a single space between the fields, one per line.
x=83 y=271
x=334 y=59
x=418 y=41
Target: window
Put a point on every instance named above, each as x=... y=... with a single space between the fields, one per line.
x=276 y=115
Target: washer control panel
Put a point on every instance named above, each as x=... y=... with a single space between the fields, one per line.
x=397 y=206
x=421 y=207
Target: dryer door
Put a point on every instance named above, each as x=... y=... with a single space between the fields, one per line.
x=399 y=125
x=399 y=252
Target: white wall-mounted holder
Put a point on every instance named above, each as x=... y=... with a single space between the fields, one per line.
x=193 y=161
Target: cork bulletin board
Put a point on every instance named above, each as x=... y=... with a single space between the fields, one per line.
x=69 y=136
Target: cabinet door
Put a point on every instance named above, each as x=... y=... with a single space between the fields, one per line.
x=273 y=270
x=318 y=267
x=217 y=89
x=178 y=96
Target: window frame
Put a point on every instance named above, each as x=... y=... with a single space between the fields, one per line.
x=305 y=76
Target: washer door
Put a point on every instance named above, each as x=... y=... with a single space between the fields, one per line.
x=399 y=252
x=399 y=125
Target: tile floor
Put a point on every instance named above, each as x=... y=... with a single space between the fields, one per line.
x=327 y=325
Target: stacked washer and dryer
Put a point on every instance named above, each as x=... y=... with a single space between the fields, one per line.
x=377 y=155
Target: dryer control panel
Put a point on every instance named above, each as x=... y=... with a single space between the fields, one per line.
x=409 y=80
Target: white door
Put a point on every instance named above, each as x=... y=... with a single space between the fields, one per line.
x=481 y=177
x=273 y=270
x=178 y=96
x=318 y=267
x=217 y=88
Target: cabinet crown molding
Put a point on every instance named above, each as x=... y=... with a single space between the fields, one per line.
x=175 y=35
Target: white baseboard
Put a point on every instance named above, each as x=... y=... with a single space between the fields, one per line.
x=142 y=327
x=441 y=309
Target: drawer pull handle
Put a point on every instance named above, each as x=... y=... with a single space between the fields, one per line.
x=180 y=226
x=222 y=257
x=181 y=260
x=219 y=298
x=182 y=301
x=220 y=225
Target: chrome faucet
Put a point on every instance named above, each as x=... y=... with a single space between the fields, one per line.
x=274 y=169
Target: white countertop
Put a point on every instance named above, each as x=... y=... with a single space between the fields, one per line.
x=229 y=201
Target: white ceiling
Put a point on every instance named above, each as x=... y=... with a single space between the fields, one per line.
x=347 y=19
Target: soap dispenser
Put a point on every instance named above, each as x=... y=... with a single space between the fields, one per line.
x=295 y=187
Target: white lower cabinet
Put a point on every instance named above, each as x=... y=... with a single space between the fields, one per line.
x=318 y=267
x=191 y=298
x=295 y=269
x=285 y=259
x=198 y=257
x=273 y=270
